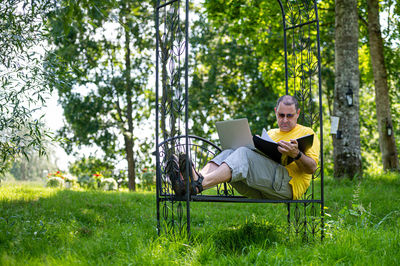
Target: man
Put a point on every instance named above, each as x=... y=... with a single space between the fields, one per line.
x=252 y=174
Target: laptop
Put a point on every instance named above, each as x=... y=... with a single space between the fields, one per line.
x=234 y=134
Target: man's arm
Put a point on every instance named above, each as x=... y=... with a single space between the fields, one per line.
x=291 y=149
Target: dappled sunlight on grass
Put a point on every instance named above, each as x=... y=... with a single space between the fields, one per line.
x=44 y=226
x=25 y=191
x=386 y=177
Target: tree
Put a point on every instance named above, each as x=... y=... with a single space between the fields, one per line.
x=87 y=166
x=238 y=64
x=34 y=167
x=106 y=49
x=22 y=79
x=347 y=150
x=387 y=140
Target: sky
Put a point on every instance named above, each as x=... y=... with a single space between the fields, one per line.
x=54 y=121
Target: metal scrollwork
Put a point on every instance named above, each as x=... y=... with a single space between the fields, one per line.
x=225 y=189
x=171 y=91
x=302 y=79
x=302 y=55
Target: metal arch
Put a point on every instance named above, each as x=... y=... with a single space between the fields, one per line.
x=289 y=25
x=193 y=137
x=172 y=113
x=285 y=29
x=285 y=45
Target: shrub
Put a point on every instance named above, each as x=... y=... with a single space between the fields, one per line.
x=70 y=181
x=86 y=166
x=122 y=179
x=57 y=174
x=109 y=184
x=147 y=179
x=123 y=182
x=88 y=182
x=55 y=182
x=55 y=179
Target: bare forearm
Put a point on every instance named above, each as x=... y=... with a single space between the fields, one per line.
x=291 y=149
x=306 y=164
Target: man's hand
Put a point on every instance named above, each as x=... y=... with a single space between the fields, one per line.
x=290 y=149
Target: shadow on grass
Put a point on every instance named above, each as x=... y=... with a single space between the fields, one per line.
x=41 y=222
x=238 y=239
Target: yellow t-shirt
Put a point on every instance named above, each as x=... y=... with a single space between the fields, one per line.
x=300 y=180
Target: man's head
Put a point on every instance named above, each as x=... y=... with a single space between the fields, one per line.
x=287 y=112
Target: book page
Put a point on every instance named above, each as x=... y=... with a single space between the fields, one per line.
x=266 y=137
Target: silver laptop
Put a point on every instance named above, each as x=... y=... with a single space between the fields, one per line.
x=234 y=134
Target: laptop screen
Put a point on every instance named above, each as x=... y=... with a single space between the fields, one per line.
x=234 y=133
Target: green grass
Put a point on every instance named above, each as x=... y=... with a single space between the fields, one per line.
x=42 y=226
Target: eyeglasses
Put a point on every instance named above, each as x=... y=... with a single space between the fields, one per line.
x=288 y=116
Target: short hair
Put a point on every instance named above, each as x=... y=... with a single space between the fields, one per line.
x=288 y=100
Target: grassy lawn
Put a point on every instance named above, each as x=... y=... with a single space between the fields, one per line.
x=43 y=226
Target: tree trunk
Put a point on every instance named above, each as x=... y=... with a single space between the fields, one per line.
x=387 y=142
x=131 y=162
x=346 y=150
x=128 y=134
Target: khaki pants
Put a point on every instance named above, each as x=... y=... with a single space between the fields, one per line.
x=256 y=176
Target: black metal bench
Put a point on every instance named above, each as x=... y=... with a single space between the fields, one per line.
x=302 y=79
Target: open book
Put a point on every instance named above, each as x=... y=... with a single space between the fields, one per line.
x=269 y=147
